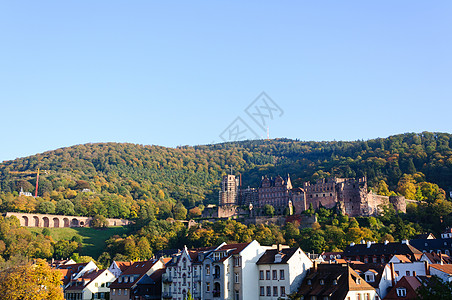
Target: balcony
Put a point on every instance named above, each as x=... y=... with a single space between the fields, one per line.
x=166 y=278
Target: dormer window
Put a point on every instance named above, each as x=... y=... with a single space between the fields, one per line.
x=401 y=292
x=358 y=280
x=184 y=263
x=370 y=277
x=322 y=282
x=309 y=282
x=334 y=282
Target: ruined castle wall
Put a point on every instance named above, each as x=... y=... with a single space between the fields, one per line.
x=399 y=203
x=373 y=203
x=353 y=197
x=299 y=202
x=322 y=193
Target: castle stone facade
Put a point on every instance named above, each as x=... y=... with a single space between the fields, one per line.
x=350 y=195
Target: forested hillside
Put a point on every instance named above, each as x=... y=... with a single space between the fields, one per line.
x=136 y=181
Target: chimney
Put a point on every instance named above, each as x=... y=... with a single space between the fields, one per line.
x=386 y=242
x=391 y=266
x=406 y=242
x=427 y=267
x=352 y=244
x=369 y=243
x=314 y=265
x=363 y=241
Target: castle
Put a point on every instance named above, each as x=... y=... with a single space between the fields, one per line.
x=350 y=195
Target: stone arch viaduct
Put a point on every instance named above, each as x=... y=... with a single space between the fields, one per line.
x=55 y=221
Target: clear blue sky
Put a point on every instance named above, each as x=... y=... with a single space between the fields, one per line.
x=179 y=72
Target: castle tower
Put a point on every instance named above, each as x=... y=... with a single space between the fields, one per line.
x=229 y=190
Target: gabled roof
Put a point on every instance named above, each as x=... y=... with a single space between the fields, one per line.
x=70 y=270
x=428 y=245
x=232 y=249
x=444 y=268
x=381 y=249
x=332 y=280
x=375 y=268
x=410 y=284
x=269 y=256
x=81 y=282
x=123 y=265
x=400 y=258
x=136 y=271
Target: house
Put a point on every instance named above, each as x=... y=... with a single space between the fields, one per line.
x=335 y=282
x=440 y=246
x=74 y=271
x=123 y=287
x=406 y=287
x=184 y=274
x=281 y=272
x=331 y=256
x=378 y=275
x=91 y=285
x=379 y=252
x=433 y=258
x=224 y=272
x=402 y=266
x=442 y=271
x=447 y=233
x=117 y=267
x=149 y=286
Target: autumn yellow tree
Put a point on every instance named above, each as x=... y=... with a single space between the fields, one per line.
x=30 y=282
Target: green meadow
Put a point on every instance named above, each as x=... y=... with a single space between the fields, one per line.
x=93 y=240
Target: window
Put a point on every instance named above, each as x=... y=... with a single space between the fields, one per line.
x=407 y=273
x=119 y=291
x=401 y=292
x=275 y=291
x=281 y=274
x=184 y=263
x=236 y=295
x=236 y=278
x=397 y=273
x=370 y=277
x=269 y=291
x=207 y=269
x=262 y=291
x=267 y=274
x=113 y=291
x=207 y=286
x=275 y=274
x=283 y=291
x=125 y=292
x=358 y=297
x=261 y=275
x=237 y=261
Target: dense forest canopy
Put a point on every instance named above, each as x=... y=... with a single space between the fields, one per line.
x=133 y=181
x=155 y=185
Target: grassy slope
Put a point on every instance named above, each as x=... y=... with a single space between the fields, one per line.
x=93 y=239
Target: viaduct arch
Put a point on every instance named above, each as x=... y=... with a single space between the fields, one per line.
x=59 y=221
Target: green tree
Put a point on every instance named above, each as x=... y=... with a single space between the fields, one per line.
x=65 y=207
x=269 y=210
x=435 y=289
x=99 y=221
x=46 y=207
